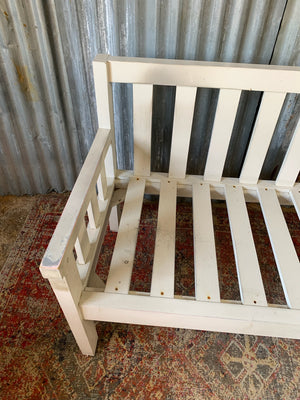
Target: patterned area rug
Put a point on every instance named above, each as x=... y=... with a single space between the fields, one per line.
x=39 y=358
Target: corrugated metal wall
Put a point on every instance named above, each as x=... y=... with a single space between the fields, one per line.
x=47 y=103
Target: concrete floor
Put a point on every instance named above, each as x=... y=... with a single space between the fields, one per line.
x=13 y=213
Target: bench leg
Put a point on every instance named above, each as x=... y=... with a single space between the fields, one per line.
x=114 y=218
x=84 y=331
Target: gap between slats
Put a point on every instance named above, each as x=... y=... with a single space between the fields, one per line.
x=119 y=276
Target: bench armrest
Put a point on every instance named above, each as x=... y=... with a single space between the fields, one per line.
x=65 y=234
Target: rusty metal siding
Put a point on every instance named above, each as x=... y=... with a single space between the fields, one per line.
x=47 y=100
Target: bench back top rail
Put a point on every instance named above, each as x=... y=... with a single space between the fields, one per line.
x=231 y=79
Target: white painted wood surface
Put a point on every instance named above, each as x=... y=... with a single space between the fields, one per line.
x=224 y=120
x=102 y=184
x=270 y=78
x=102 y=93
x=68 y=226
x=295 y=195
x=110 y=160
x=93 y=210
x=265 y=124
x=182 y=127
x=123 y=256
x=248 y=270
x=162 y=284
x=104 y=103
x=142 y=125
x=67 y=292
x=184 y=186
x=82 y=244
x=114 y=218
x=283 y=247
x=95 y=282
x=189 y=314
x=96 y=237
x=291 y=164
x=205 y=260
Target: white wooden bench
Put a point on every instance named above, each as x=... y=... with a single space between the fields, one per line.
x=100 y=187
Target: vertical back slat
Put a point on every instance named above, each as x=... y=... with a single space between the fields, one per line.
x=205 y=260
x=182 y=127
x=282 y=245
x=291 y=164
x=82 y=245
x=93 y=210
x=123 y=256
x=142 y=123
x=162 y=284
x=265 y=124
x=103 y=94
x=102 y=184
x=249 y=275
x=109 y=162
x=224 y=120
x=104 y=102
x=114 y=218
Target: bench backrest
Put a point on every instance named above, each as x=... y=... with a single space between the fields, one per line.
x=231 y=79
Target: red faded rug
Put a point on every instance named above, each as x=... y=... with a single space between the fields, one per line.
x=39 y=358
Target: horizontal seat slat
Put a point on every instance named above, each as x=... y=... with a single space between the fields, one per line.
x=162 y=284
x=224 y=120
x=142 y=123
x=205 y=260
x=284 y=251
x=248 y=270
x=182 y=127
x=261 y=136
x=123 y=256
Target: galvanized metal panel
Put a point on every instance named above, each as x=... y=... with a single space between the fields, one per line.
x=42 y=149
x=286 y=52
x=47 y=101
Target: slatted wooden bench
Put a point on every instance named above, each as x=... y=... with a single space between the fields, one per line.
x=100 y=187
